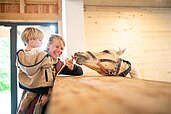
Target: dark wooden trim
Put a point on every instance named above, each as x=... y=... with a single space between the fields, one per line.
x=13 y=48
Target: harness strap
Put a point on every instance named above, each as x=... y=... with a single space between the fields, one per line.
x=112 y=72
x=102 y=68
x=109 y=60
x=91 y=55
x=98 y=63
x=124 y=73
x=118 y=66
x=106 y=71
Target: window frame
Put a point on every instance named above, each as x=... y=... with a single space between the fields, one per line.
x=13 y=49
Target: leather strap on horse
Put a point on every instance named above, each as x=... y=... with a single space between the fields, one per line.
x=110 y=72
x=115 y=71
x=124 y=73
x=98 y=63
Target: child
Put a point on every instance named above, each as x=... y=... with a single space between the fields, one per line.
x=36 y=72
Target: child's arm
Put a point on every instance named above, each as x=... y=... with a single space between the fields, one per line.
x=46 y=97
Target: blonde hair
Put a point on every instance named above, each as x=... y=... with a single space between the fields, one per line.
x=57 y=36
x=31 y=33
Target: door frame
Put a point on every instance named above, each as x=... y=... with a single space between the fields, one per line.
x=13 y=49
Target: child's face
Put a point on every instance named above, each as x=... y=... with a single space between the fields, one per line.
x=56 y=48
x=34 y=42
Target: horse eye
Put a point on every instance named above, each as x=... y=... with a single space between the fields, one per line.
x=106 y=51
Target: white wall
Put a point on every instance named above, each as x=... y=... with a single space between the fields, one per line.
x=73 y=26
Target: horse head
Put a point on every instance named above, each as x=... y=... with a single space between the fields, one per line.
x=106 y=62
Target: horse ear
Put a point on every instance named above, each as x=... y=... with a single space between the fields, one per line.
x=120 y=52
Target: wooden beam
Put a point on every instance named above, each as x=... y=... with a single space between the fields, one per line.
x=41 y=1
x=31 y=1
x=27 y=17
x=9 y=1
x=22 y=6
x=60 y=17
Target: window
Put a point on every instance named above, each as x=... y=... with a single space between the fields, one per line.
x=5 y=60
x=10 y=42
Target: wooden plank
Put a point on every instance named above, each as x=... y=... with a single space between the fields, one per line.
x=109 y=95
x=9 y=1
x=41 y=1
x=27 y=17
x=32 y=8
x=59 y=11
x=50 y=9
x=11 y=8
x=31 y=1
x=43 y=8
x=22 y=6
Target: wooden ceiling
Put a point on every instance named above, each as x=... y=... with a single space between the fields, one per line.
x=130 y=3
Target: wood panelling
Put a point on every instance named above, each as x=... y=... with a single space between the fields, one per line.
x=27 y=7
x=130 y=3
x=144 y=32
x=31 y=1
x=11 y=8
x=33 y=8
x=9 y=1
x=21 y=8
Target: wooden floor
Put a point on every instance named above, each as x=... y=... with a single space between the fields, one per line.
x=109 y=95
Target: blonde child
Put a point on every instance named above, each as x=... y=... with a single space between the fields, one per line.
x=36 y=72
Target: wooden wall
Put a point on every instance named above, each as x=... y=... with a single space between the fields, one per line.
x=144 y=32
x=30 y=10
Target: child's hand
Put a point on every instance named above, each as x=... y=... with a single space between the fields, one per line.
x=69 y=63
x=44 y=99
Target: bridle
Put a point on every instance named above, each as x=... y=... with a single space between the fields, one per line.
x=115 y=70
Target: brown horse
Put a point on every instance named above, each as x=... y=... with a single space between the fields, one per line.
x=107 y=62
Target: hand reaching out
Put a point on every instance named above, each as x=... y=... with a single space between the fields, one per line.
x=69 y=63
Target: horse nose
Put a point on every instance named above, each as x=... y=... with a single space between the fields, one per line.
x=76 y=53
